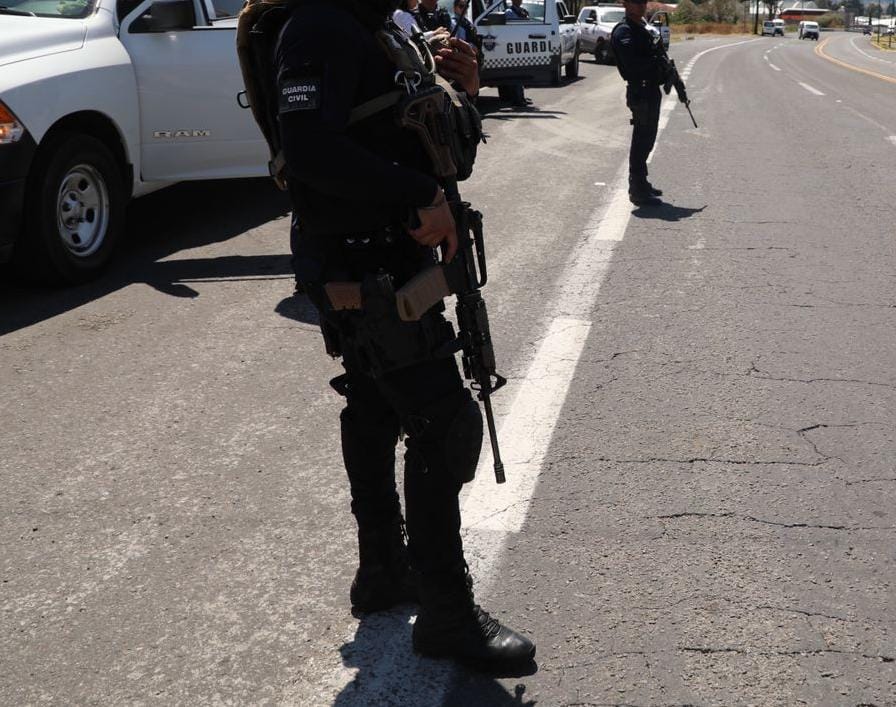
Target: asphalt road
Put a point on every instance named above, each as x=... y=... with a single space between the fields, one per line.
x=699 y=424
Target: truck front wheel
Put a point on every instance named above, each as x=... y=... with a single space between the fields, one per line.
x=74 y=210
x=572 y=68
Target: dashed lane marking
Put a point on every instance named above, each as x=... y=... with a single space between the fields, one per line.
x=813 y=91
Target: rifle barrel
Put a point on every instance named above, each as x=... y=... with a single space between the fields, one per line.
x=493 y=437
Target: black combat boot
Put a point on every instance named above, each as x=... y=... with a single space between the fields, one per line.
x=451 y=625
x=640 y=193
x=653 y=190
x=384 y=578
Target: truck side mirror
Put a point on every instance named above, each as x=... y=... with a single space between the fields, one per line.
x=590 y=21
x=569 y=20
x=169 y=15
x=493 y=18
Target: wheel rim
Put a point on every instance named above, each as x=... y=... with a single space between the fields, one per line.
x=82 y=210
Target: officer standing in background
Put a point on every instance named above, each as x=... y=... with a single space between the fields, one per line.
x=640 y=63
x=430 y=16
x=461 y=27
x=370 y=211
x=515 y=93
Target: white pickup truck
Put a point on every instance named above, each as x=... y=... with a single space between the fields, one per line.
x=534 y=50
x=104 y=100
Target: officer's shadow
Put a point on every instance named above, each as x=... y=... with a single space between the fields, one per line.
x=666 y=212
x=389 y=672
x=298 y=307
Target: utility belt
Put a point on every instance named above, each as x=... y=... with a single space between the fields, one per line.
x=360 y=321
x=638 y=97
x=644 y=83
x=358 y=300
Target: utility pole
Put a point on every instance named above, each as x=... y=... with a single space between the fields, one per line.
x=756 y=18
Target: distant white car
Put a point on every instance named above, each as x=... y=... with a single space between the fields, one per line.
x=808 y=30
x=595 y=23
x=773 y=28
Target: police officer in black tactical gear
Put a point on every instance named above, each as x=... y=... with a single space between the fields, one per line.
x=641 y=65
x=369 y=211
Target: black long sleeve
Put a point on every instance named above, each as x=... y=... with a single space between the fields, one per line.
x=334 y=66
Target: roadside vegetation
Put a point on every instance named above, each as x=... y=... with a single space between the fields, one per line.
x=727 y=17
x=885 y=42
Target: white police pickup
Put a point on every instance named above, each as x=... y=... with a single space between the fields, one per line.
x=104 y=100
x=534 y=50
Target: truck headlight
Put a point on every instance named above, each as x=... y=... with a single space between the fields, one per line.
x=11 y=130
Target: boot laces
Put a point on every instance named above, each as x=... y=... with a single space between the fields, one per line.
x=488 y=625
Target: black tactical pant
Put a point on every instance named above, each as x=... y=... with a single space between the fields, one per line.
x=644 y=103
x=422 y=400
x=397 y=381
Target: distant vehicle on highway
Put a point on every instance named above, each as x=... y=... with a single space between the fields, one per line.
x=808 y=30
x=773 y=28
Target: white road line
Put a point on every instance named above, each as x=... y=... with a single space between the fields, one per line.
x=773 y=66
x=814 y=91
x=526 y=432
x=864 y=117
x=892 y=139
x=866 y=54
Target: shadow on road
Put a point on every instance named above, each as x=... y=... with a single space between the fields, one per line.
x=299 y=308
x=666 y=212
x=389 y=672
x=493 y=108
x=188 y=215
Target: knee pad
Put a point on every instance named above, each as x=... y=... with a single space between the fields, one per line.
x=450 y=442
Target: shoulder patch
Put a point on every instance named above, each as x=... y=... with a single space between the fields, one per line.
x=299 y=94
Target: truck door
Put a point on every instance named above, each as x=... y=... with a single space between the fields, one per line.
x=567 y=32
x=517 y=50
x=660 y=20
x=188 y=78
x=587 y=25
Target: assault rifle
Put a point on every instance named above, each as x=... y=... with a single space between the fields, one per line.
x=673 y=79
x=463 y=277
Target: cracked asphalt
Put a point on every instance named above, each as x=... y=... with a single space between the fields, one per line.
x=715 y=521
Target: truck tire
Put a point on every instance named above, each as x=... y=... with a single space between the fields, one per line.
x=602 y=53
x=557 y=73
x=572 y=68
x=74 y=211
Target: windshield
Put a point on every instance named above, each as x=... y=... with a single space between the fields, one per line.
x=76 y=9
x=614 y=16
